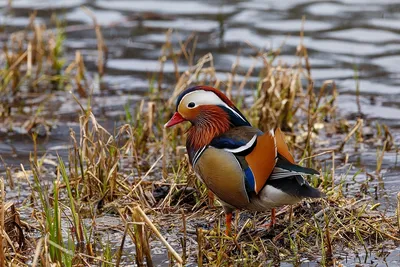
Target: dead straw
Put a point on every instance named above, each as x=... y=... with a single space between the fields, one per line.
x=2 y=229
x=158 y=234
x=398 y=211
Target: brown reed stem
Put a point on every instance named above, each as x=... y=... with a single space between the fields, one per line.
x=158 y=234
x=333 y=169
x=2 y=229
x=200 y=247
x=398 y=211
x=164 y=151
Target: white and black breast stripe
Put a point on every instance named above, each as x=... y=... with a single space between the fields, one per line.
x=198 y=154
x=243 y=148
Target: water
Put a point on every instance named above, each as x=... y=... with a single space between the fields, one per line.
x=341 y=37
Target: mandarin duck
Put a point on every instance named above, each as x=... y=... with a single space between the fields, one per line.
x=243 y=166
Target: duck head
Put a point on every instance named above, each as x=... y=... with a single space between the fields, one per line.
x=210 y=112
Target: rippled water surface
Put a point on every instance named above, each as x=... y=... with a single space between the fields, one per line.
x=343 y=37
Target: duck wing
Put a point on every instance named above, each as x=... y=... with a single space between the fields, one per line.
x=262 y=156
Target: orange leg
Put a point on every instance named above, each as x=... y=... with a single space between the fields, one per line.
x=211 y=198
x=228 y=222
x=273 y=219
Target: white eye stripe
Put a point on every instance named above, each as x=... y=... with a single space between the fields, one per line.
x=202 y=97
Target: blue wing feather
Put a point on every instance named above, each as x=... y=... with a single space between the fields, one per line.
x=249 y=180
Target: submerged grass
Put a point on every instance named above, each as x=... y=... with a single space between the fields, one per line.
x=139 y=175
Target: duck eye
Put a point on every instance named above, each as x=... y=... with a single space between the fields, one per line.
x=191 y=105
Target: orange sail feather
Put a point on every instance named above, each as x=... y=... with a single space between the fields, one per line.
x=262 y=160
x=282 y=147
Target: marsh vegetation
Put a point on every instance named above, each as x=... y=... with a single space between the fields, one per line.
x=115 y=188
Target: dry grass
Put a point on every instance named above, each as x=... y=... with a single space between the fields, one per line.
x=138 y=176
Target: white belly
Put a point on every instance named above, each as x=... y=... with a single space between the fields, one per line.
x=271 y=197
